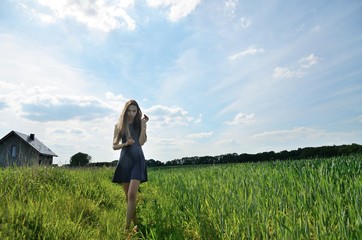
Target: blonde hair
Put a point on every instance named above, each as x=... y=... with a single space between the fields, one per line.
x=122 y=125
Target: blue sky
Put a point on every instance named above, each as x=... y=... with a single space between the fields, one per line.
x=214 y=76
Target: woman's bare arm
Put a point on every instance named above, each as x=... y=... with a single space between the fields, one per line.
x=143 y=135
x=116 y=139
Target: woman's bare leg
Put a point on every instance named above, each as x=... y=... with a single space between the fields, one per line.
x=131 y=201
x=125 y=189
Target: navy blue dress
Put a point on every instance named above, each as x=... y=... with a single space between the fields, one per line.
x=132 y=163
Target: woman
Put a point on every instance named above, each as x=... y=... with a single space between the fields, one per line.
x=130 y=135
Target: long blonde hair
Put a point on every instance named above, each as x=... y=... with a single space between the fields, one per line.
x=122 y=124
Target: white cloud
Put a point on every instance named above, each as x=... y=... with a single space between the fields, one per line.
x=249 y=51
x=178 y=9
x=285 y=73
x=200 y=135
x=8 y=85
x=229 y=10
x=116 y=101
x=241 y=118
x=360 y=119
x=308 y=61
x=112 y=97
x=230 y=7
x=244 y=22
x=47 y=108
x=100 y=14
x=170 y=116
x=160 y=109
x=46 y=18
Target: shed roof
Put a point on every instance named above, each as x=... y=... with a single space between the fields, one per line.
x=36 y=144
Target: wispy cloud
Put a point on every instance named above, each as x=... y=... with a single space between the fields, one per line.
x=178 y=9
x=178 y=143
x=287 y=134
x=241 y=118
x=302 y=133
x=308 y=61
x=249 y=51
x=304 y=63
x=33 y=67
x=228 y=142
x=200 y=135
x=285 y=73
x=43 y=17
x=229 y=7
x=244 y=22
x=76 y=132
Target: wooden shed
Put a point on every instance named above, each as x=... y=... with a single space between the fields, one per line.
x=18 y=149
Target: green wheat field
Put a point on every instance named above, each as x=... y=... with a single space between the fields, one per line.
x=305 y=199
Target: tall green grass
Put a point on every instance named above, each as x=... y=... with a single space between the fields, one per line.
x=306 y=199
x=47 y=203
x=290 y=200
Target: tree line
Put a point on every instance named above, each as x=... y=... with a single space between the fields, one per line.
x=300 y=153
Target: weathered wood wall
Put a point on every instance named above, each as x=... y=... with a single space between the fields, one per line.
x=25 y=154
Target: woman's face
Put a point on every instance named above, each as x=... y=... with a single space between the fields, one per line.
x=131 y=112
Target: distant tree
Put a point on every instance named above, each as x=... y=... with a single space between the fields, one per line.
x=80 y=159
x=151 y=163
x=154 y=163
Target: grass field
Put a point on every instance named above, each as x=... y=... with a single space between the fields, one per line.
x=306 y=199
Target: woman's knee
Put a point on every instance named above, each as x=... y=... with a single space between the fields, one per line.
x=132 y=195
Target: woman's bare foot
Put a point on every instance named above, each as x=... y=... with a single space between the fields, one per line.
x=130 y=232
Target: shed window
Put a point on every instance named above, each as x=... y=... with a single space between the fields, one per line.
x=13 y=151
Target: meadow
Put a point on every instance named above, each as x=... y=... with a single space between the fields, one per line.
x=305 y=199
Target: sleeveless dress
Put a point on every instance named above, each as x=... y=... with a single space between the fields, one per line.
x=132 y=163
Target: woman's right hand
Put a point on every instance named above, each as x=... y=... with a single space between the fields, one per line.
x=129 y=142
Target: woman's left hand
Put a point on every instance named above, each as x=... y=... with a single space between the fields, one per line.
x=145 y=118
x=144 y=121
